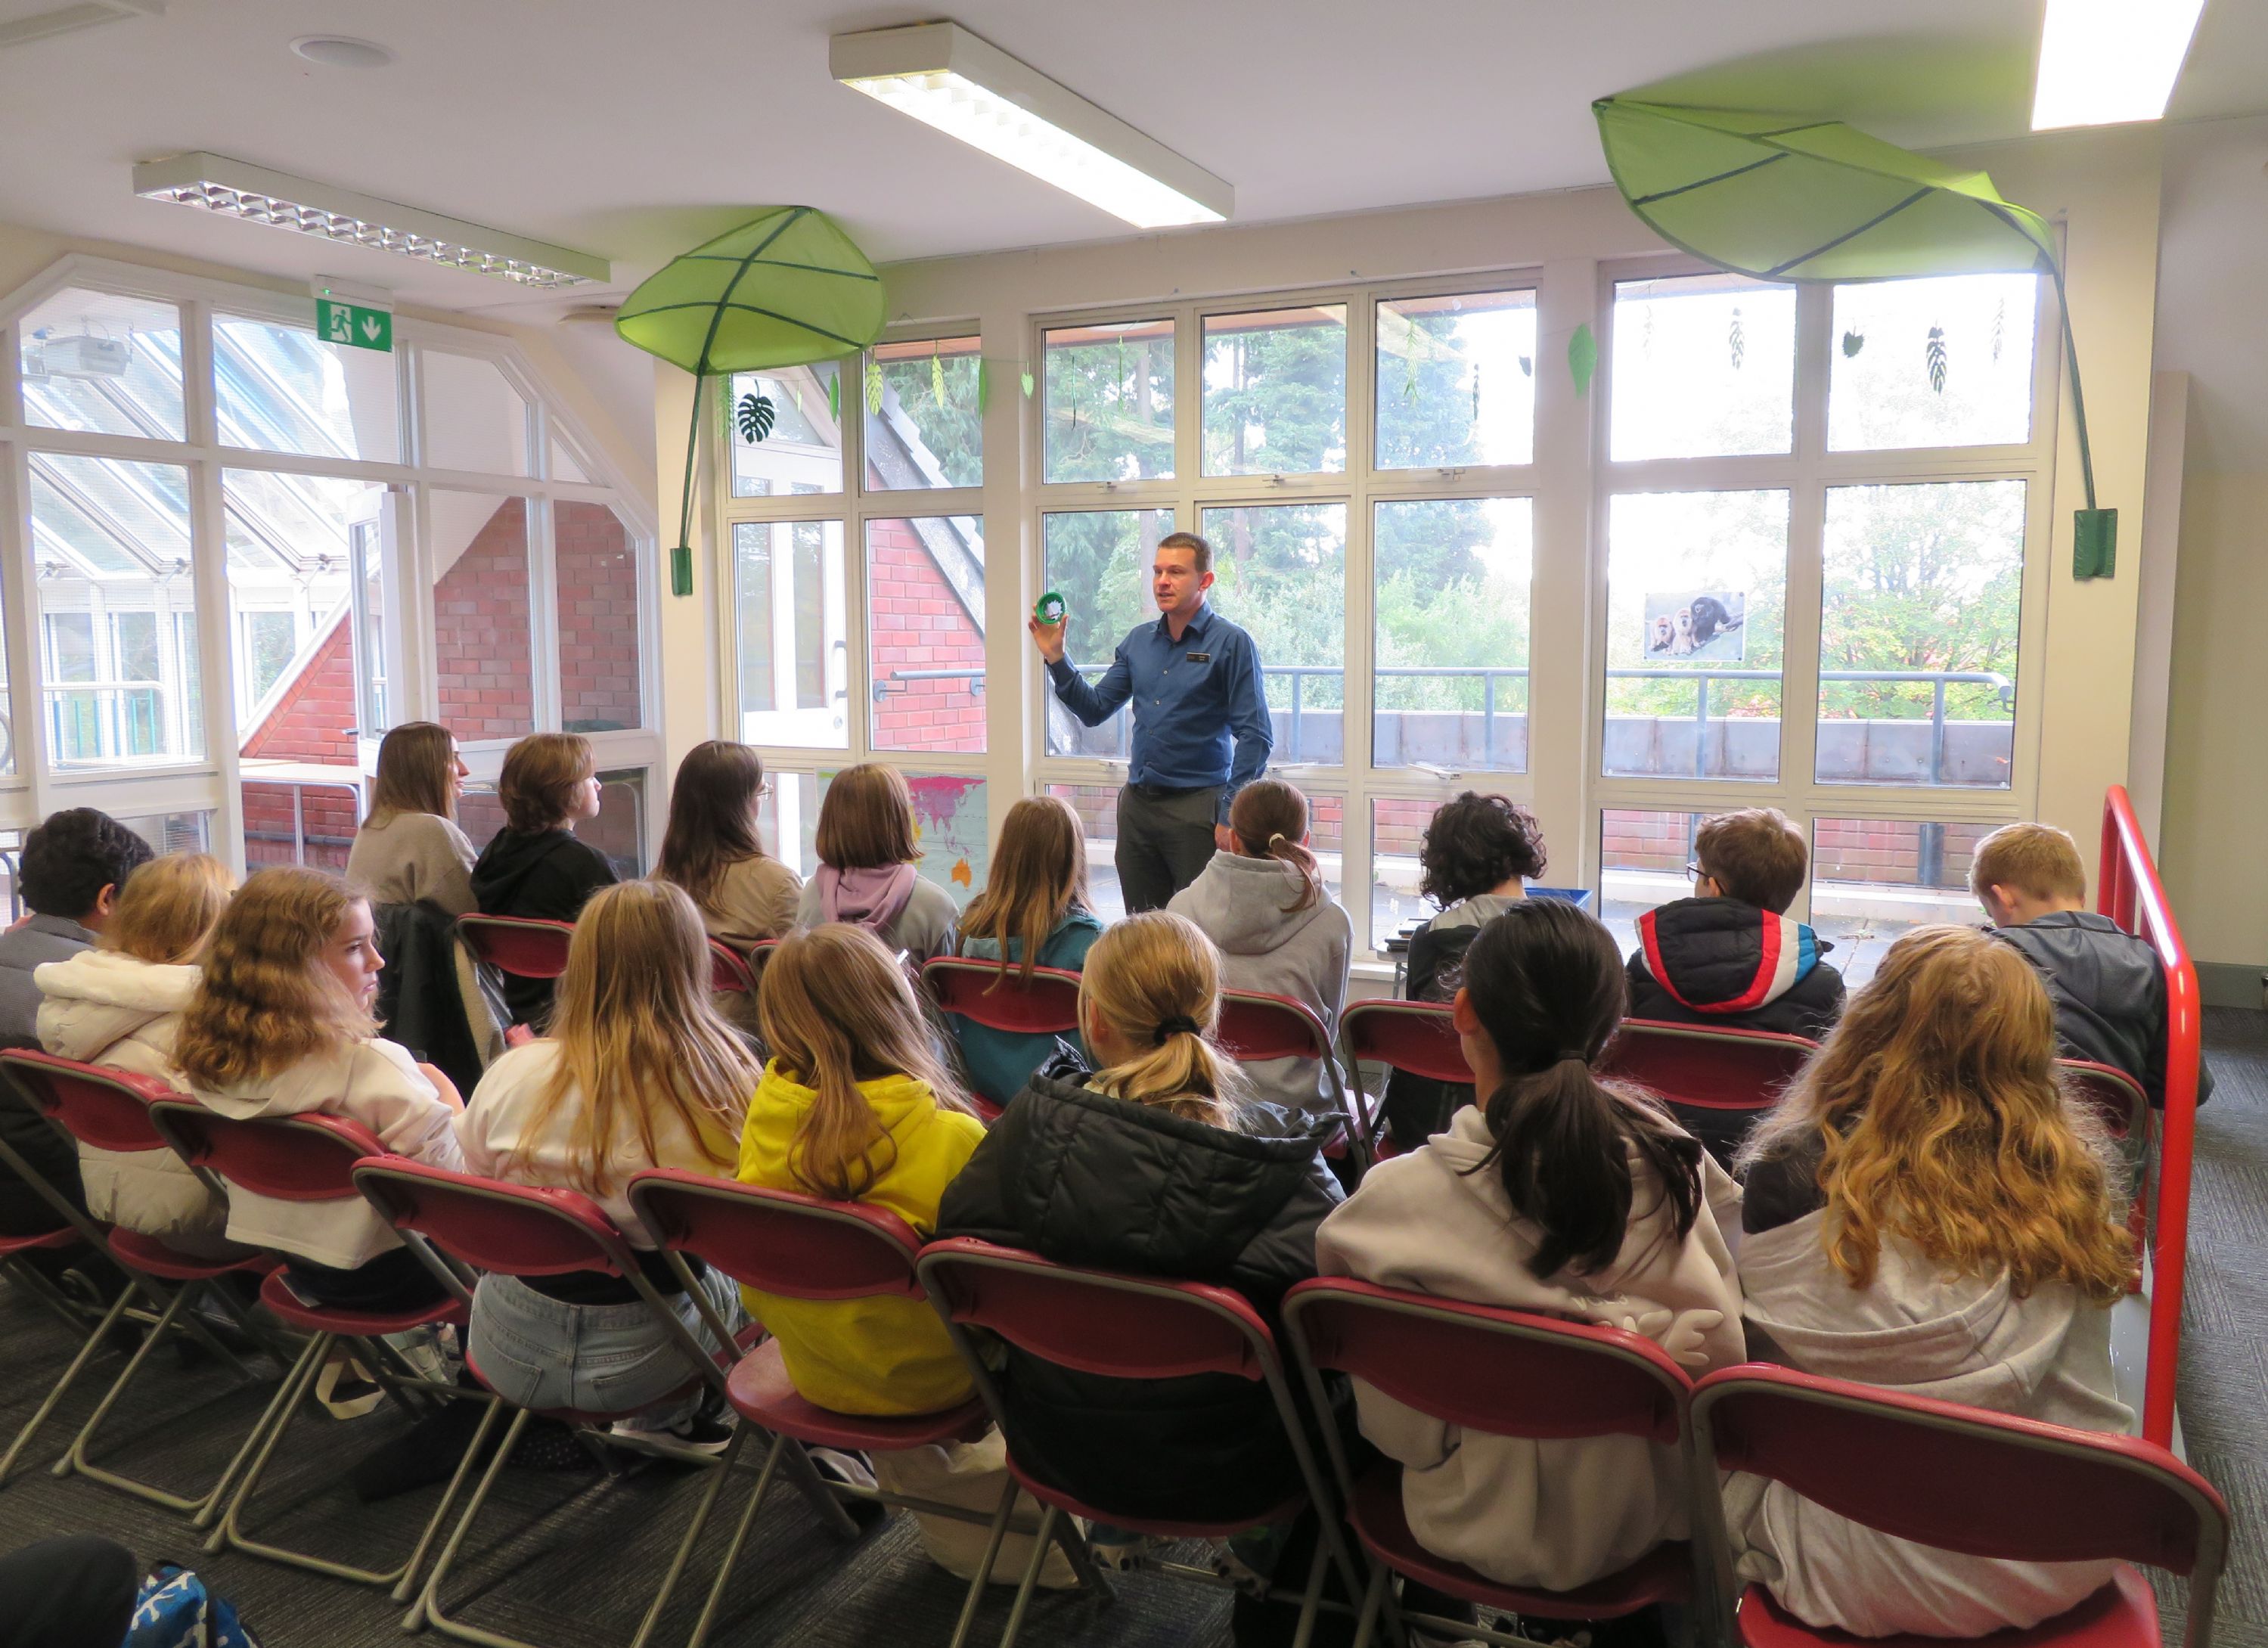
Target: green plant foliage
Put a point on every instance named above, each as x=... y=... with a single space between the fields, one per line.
x=1933 y=358
x=937 y=378
x=1737 y=340
x=754 y=416
x=835 y=398
x=1583 y=353
x=873 y=386
x=1852 y=342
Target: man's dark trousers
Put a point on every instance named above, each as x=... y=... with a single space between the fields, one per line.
x=1165 y=841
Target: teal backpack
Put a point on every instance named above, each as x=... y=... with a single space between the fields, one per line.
x=174 y=1610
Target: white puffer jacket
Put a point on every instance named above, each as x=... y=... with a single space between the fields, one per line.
x=104 y=1008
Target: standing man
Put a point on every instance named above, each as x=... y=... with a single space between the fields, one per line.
x=1194 y=679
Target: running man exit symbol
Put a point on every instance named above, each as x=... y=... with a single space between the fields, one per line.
x=354 y=325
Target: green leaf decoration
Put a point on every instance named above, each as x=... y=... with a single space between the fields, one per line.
x=754 y=416
x=1476 y=391
x=983 y=385
x=1409 y=366
x=1122 y=357
x=796 y=390
x=1583 y=357
x=873 y=387
x=1027 y=386
x=1852 y=342
x=1933 y=357
x=1527 y=366
x=2000 y=324
x=937 y=377
x=835 y=397
x=1737 y=342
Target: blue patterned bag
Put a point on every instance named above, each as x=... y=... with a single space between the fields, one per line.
x=174 y=1610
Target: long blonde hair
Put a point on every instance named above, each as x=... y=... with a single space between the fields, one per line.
x=1154 y=981
x=837 y=1011
x=638 y=1040
x=1038 y=878
x=1936 y=1111
x=416 y=772
x=167 y=908
x=265 y=1000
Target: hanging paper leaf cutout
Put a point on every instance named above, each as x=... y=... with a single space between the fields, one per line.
x=754 y=416
x=2000 y=323
x=1738 y=340
x=796 y=390
x=1409 y=365
x=1122 y=357
x=1027 y=386
x=1583 y=357
x=1526 y=366
x=835 y=398
x=983 y=385
x=1933 y=356
x=1476 y=391
x=873 y=387
x=1852 y=342
x=937 y=377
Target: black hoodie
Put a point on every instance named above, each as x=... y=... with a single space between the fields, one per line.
x=1088 y=1179
x=2109 y=995
x=543 y=875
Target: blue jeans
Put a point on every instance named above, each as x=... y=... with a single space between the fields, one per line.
x=542 y=1352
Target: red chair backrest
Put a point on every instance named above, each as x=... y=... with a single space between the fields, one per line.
x=305 y=1157
x=728 y=974
x=1505 y=1371
x=514 y=1230
x=995 y=995
x=1714 y=1067
x=107 y=1108
x=1419 y=1037
x=2125 y=1106
x=1256 y=1025
x=1959 y=1478
x=520 y=945
x=1097 y=1321
x=778 y=1241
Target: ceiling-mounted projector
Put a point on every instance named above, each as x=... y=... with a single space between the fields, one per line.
x=81 y=356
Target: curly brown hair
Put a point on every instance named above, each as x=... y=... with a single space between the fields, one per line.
x=266 y=1001
x=1474 y=844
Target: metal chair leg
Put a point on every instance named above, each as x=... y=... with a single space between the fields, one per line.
x=739 y=1535
x=94 y=1341
x=277 y=1404
x=428 y=1607
x=407 y=1585
x=708 y=1501
x=995 y=1536
x=277 y=1421
x=1030 y=1582
x=1367 y=1627
x=1310 y=1603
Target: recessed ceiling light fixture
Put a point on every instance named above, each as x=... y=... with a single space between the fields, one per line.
x=944 y=76
x=338 y=51
x=232 y=188
x=2106 y=62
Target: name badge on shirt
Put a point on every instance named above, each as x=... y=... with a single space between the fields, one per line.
x=1199 y=657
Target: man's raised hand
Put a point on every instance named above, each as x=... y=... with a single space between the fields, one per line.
x=1048 y=638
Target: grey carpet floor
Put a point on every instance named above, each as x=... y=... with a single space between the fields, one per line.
x=565 y=1559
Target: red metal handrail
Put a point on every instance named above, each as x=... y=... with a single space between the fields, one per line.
x=2131 y=895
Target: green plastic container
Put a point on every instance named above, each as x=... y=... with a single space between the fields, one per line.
x=1050 y=608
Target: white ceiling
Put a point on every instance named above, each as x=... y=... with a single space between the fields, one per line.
x=635 y=130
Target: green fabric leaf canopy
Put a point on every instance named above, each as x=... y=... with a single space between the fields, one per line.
x=1784 y=197
x=788 y=289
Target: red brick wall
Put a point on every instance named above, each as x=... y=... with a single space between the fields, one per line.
x=917 y=623
x=1397 y=825
x=1643 y=841
x=1842 y=849
x=481 y=639
x=309 y=722
x=598 y=618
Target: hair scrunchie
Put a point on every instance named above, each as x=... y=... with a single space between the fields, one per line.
x=1179 y=1024
x=1277 y=836
x=1571 y=1055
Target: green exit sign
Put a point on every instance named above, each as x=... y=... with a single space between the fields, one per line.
x=352 y=324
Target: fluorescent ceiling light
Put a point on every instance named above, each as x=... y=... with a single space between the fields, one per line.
x=67 y=18
x=2104 y=62
x=215 y=183
x=944 y=76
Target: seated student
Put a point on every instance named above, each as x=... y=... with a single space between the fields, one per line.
x=1474 y=862
x=1730 y=955
x=711 y=849
x=1033 y=911
x=1263 y=904
x=854 y=1107
x=637 y=1072
x=2108 y=989
x=1158 y=1164
x=409 y=848
x=1926 y=1212
x=536 y=866
x=73 y=868
x=866 y=854
x=120 y=1004
x=279 y=1025
x=1558 y=1194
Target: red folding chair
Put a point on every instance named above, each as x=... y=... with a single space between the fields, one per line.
x=1505 y=1373
x=1958 y=1479
x=109 y=1110
x=799 y=1246
x=519 y=945
x=1711 y=1067
x=1123 y=1326
x=1419 y=1037
x=514 y=1230
x=729 y=972
x=310 y=1158
x=995 y=994
x=1256 y=1026
x=2125 y=1107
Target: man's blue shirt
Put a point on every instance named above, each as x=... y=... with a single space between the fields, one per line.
x=1192 y=699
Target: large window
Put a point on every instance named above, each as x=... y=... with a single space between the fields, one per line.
x=267 y=559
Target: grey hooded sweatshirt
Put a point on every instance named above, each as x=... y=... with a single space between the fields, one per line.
x=1239 y=903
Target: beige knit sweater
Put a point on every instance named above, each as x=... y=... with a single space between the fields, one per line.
x=407 y=857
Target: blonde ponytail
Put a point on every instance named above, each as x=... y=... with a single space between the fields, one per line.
x=1154 y=980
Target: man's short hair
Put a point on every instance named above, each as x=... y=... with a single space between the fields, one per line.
x=2037 y=860
x=1756 y=855
x=540 y=775
x=1191 y=542
x=72 y=857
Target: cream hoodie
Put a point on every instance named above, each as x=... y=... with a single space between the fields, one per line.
x=102 y=1007
x=375 y=1083
x=1962 y=1339
x=1556 y=1514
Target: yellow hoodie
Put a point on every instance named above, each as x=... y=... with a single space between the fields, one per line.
x=878 y=1356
